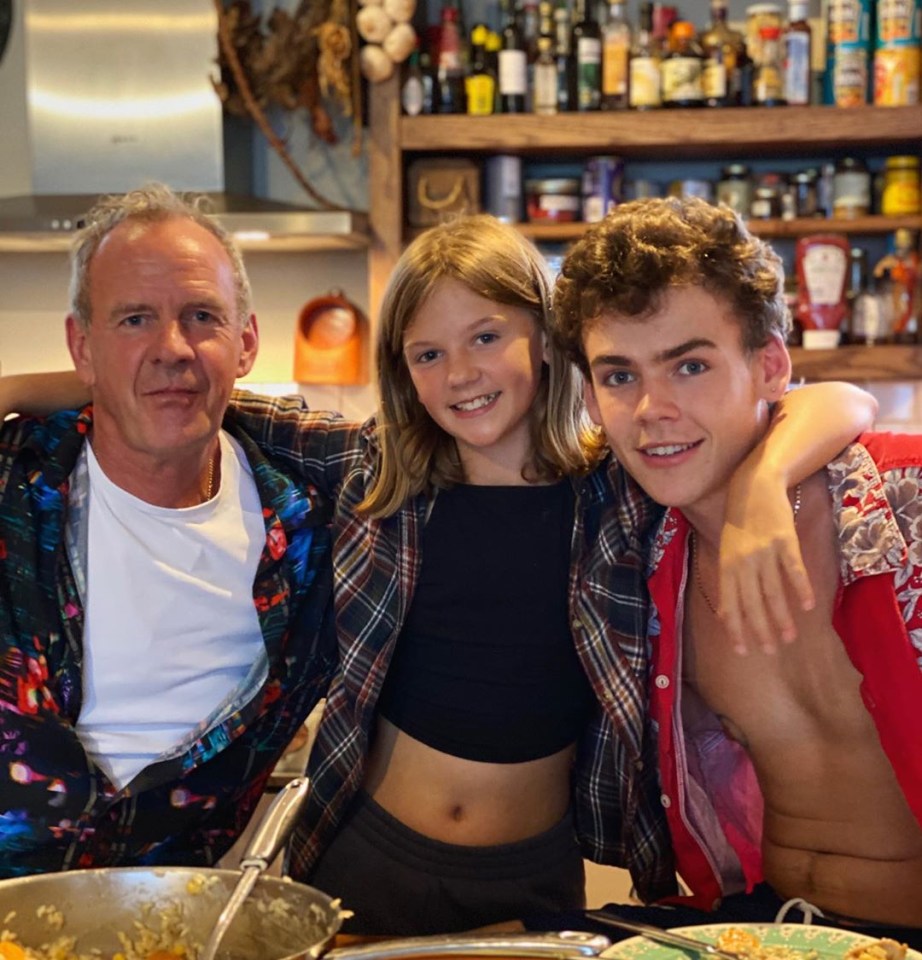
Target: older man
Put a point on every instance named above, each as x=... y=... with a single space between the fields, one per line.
x=163 y=586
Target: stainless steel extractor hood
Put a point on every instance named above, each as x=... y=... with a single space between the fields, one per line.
x=100 y=96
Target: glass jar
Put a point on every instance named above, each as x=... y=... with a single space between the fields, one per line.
x=851 y=189
x=555 y=200
x=901 y=187
x=735 y=188
x=803 y=186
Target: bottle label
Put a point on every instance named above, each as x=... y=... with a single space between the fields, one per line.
x=714 y=78
x=644 y=89
x=513 y=73
x=545 y=92
x=481 y=94
x=588 y=70
x=681 y=78
x=411 y=96
x=824 y=269
x=614 y=66
x=797 y=68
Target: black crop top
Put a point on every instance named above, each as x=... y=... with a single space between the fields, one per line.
x=485 y=667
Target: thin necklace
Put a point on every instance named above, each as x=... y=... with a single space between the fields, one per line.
x=209 y=483
x=699 y=583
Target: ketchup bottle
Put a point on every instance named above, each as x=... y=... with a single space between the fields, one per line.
x=822 y=274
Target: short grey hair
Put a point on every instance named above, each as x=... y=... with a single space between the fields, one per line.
x=152 y=203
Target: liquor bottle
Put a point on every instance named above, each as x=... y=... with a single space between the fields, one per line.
x=413 y=89
x=480 y=85
x=616 y=53
x=724 y=49
x=644 y=84
x=768 y=84
x=544 y=93
x=797 y=39
x=587 y=48
x=682 y=68
x=449 y=76
x=513 y=64
x=566 y=62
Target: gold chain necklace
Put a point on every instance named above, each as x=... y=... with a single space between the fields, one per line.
x=696 y=572
x=209 y=482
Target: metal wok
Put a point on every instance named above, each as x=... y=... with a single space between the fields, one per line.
x=97 y=904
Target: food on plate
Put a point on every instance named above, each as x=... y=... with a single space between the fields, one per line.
x=747 y=944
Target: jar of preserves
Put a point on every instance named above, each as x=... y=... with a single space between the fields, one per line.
x=901 y=195
x=851 y=189
x=735 y=188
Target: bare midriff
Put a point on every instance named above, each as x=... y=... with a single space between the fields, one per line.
x=837 y=828
x=465 y=802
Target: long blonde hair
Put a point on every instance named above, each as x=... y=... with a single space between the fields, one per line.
x=496 y=262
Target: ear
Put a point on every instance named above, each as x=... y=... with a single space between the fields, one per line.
x=592 y=403
x=773 y=368
x=78 y=343
x=249 y=337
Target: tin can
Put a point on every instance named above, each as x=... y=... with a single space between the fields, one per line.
x=848 y=53
x=897 y=55
x=503 y=187
x=603 y=181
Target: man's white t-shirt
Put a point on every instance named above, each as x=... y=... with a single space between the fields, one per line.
x=171 y=629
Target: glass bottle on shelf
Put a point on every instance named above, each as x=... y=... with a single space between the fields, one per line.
x=566 y=62
x=586 y=42
x=413 y=93
x=544 y=95
x=682 y=68
x=480 y=84
x=616 y=52
x=513 y=64
x=643 y=70
x=725 y=52
x=797 y=40
x=449 y=73
x=900 y=272
x=769 y=73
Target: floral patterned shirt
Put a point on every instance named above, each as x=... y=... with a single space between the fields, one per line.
x=58 y=810
x=710 y=793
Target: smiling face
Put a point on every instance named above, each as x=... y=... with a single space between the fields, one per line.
x=680 y=401
x=164 y=342
x=476 y=367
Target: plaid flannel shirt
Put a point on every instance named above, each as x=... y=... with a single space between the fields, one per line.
x=617 y=808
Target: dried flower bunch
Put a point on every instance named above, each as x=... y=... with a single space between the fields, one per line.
x=291 y=61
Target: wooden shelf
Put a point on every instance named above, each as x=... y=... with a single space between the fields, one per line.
x=565 y=232
x=857 y=363
x=674 y=134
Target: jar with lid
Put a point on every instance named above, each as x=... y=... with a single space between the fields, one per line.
x=851 y=189
x=766 y=198
x=901 y=194
x=768 y=86
x=803 y=186
x=759 y=15
x=735 y=188
x=553 y=200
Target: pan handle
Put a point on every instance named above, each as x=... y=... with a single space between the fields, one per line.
x=563 y=945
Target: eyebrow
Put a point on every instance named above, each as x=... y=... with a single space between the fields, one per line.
x=664 y=356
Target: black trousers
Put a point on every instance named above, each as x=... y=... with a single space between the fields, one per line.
x=400 y=883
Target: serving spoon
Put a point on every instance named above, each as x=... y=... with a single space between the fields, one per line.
x=268 y=839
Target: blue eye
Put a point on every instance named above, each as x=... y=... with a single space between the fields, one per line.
x=692 y=368
x=487 y=337
x=618 y=378
x=135 y=320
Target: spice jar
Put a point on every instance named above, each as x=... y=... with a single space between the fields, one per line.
x=901 y=187
x=735 y=188
x=851 y=189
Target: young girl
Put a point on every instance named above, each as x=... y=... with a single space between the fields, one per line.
x=486 y=727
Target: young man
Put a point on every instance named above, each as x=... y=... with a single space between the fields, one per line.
x=794 y=774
